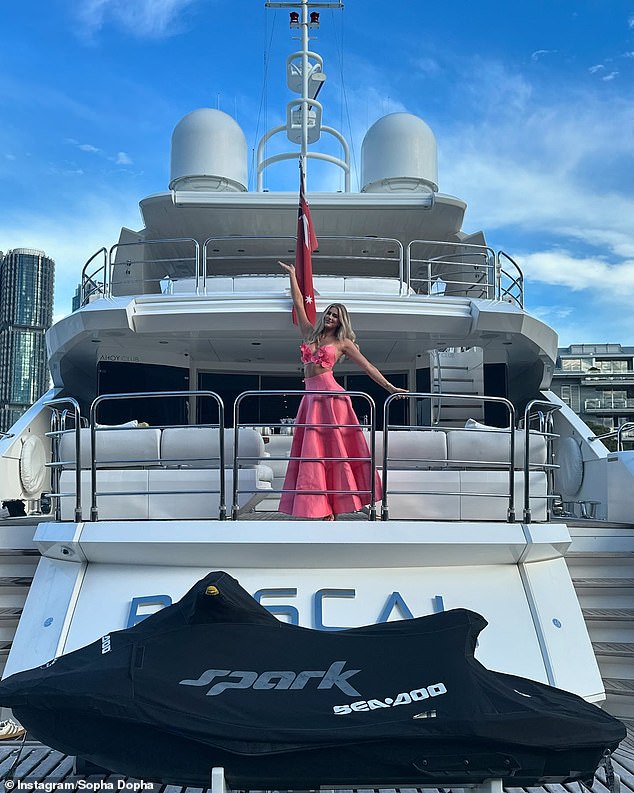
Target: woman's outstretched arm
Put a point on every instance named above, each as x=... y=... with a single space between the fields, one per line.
x=352 y=352
x=305 y=325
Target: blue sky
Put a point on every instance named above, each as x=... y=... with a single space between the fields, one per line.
x=531 y=103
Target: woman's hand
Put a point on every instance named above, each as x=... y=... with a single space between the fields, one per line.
x=290 y=268
x=394 y=390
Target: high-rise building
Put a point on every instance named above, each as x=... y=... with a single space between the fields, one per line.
x=27 y=279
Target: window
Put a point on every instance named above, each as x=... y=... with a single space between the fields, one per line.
x=271 y=409
x=614 y=399
x=611 y=367
x=571 y=396
x=575 y=364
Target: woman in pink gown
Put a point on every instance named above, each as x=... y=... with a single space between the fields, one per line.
x=336 y=434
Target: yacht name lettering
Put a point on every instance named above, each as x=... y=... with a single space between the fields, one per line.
x=404 y=698
x=394 y=606
x=118 y=357
x=277 y=680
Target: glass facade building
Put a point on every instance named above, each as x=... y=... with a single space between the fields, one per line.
x=27 y=279
x=597 y=382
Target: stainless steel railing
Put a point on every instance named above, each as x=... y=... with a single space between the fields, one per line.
x=442 y=268
x=454 y=463
x=545 y=416
x=58 y=429
x=58 y=426
x=538 y=411
x=618 y=433
x=370 y=426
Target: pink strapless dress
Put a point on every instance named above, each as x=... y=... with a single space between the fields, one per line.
x=311 y=474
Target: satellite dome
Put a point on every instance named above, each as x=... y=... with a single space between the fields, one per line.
x=399 y=153
x=209 y=152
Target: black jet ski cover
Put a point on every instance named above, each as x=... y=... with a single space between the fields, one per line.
x=216 y=680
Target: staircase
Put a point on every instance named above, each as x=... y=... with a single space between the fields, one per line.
x=18 y=560
x=601 y=564
x=457 y=371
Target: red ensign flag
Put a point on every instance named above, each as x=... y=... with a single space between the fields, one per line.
x=305 y=245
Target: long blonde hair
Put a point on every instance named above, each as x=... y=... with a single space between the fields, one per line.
x=344 y=331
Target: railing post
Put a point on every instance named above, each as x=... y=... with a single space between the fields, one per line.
x=511 y=510
x=544 y=421
x=55 y=421
x=94 y=512
x=372 y=433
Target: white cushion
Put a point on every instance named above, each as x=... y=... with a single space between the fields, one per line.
x=278 y=446
x=428 y=497
x=373 y=286
x=150 y=499
x=110 y=507
x=495 y=505
x=198 y=447
x=170 y=496
x=260 y=284
x=117 y=448
x=493 y=446
x=328 y=283
x=412 y=449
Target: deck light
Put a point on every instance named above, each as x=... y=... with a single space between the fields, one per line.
x=294 y=19
x=314 y=18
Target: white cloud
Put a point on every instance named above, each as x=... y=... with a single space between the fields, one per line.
x=141 y=18
x=122 y=158
x=535 y=56
x=598 y=68
x=561 y=268
x=610 y=76
x=426 y=65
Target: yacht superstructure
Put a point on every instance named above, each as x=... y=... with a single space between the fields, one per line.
x=163 y=443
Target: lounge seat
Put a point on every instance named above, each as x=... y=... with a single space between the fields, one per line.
x=169 y=474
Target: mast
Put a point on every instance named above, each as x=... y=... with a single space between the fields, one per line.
x=304 y=76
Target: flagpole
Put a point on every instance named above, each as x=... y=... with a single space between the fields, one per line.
x=304 y=144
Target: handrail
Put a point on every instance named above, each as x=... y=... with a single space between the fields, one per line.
x=515 y=281
x=436 y=387
x=55 y=470
x=493 y=281
x=94 y=512
x=466 y=249
x=544 y=414
x=618 y=433
x=550 y=409
x=85 y=294
x=316 y=254
x=333 y=394
x=116 y=246
x=201 y=271
x=466 y=397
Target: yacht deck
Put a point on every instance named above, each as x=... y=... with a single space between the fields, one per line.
x=47 y=769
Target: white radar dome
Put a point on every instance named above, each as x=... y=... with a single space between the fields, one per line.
x=209 y=152
x=399 y=153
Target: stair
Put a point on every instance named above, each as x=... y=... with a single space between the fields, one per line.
x=601 y=563
x=613 y=649
x=457 y=371
x=17 y=568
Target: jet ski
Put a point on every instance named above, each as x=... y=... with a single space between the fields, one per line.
x=215 y=680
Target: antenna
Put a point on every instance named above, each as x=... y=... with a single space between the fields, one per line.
x=304 y=76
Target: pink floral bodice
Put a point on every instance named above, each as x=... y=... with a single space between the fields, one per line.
x=325 y=356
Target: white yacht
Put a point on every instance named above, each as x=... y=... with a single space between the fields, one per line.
x=159 y=453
